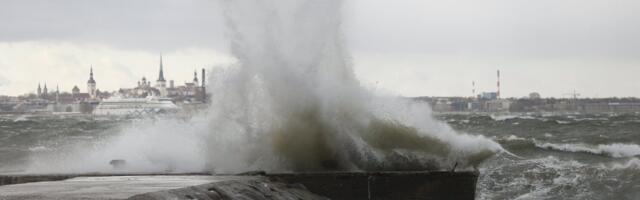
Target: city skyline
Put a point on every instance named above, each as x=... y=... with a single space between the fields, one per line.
x=42 y=88
x=409 y=48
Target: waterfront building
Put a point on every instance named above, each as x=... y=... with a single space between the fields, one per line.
x=489 y=96
x=535 y=95
x=498 y=105
x=190 y=92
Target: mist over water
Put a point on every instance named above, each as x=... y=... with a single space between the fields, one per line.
x=291 y=102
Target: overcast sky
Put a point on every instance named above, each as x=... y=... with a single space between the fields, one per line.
x=405 y=47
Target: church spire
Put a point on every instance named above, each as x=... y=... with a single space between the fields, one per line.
x=91 y=76
x=161 y=75
x=45 y=91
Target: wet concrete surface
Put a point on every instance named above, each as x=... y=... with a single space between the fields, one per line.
x=108 y=187
x=257 y=185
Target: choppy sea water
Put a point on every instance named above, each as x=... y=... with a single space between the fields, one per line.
x=562 y=156
x=22 y=136
x=558 y=156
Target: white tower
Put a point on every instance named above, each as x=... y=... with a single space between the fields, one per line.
x=91 y=85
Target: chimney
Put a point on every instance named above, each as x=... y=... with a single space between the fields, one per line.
x=473 y=91
x=498 y=93
x=204 y=91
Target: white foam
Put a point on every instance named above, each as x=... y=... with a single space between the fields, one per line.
x=633 y=163
x=21 y=118
x=537 y=178
x=616 y=150
x=38 y=148
x=514 y=138
x=292 y=102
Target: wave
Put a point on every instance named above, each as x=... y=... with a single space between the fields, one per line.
x=508 y=117
x=291 y=102
x=38 y=148
x=22 y=118
x=616 y=150
x=536 y=178
x=514 y=138
x=634 y=163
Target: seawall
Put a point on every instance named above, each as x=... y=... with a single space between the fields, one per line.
x=332 y=185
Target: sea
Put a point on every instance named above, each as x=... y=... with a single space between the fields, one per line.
x=550 y=156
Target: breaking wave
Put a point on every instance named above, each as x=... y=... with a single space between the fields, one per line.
x=292 y=102
x=616 y=150
x=633 y=163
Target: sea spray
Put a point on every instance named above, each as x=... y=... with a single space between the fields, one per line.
x=291 y=102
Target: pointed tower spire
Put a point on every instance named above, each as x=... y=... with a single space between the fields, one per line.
x=91 y=80
x=161 y=75
x=91 y=85
x=45 y=91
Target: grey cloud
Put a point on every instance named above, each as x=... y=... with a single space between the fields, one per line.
x=499 y=28
x=161 y=25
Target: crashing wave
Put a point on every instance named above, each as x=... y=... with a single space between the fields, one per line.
x=633 y=163
x=292 y=102
x=616 y=150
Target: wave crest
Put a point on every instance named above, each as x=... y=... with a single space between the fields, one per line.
x=616 y=150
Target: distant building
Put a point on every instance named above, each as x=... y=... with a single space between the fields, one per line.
x=535 y=95
x=488 y=96
x=189 y=92
x=499 y=105
x=75 y=90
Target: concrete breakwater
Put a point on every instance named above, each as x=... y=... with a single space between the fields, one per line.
x=326 y=185
x=386 y=185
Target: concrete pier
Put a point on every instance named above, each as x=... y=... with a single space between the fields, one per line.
x=104 y=187
x=386 y=185
x=259 y=186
